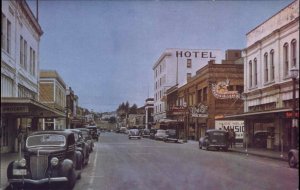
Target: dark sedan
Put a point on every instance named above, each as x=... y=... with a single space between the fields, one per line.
x=50 y=158
x=214 y=139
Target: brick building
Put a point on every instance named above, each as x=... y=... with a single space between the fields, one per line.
x=196 y=104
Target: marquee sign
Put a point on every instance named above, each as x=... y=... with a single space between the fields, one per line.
x=220 y=91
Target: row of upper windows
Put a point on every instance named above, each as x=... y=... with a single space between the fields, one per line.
x=289 y=60
x=160 y=82
x=159 y=95
x=6 y=45
x=162 y=67
x=158 y=108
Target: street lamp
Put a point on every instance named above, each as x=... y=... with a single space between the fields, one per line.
x=294 y=74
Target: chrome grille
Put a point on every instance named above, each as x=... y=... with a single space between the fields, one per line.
x=38 y=166
x=59 y=155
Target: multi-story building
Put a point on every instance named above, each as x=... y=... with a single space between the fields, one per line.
x=20 y=108
x=175 y=67
x=272 y=51
x=53 y=94
x=213 y=92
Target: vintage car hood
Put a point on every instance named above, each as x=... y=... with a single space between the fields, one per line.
x=45 y=150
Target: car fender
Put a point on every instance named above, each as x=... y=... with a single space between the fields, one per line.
x=295 y=153
x=66 y=166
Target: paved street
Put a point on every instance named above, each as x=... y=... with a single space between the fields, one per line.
x=120 y=163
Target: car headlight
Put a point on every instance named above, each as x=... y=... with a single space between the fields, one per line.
x=22 y=162
x=54 y=161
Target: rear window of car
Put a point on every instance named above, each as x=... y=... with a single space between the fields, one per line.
x=46 y=140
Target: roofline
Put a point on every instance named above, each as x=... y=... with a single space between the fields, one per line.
x=271 y=17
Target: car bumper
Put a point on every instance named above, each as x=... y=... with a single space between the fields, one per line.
x=134 y=136
x=38 y=182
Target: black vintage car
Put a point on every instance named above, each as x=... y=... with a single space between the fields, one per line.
x=94 y=132
x=214 y=139
x=81 y=146
x=86 y=134
x=172 y=136
x=50 y=157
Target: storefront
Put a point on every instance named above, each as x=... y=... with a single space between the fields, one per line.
x=268 y=129
x=22 y=116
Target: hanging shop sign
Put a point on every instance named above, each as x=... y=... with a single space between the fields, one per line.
x=236 y=125
x=220 y=91
x=199 y=111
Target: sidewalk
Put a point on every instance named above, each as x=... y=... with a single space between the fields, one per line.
x=254 y=151
x=5 y=159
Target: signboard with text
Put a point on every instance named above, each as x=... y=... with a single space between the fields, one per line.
x=236 y=125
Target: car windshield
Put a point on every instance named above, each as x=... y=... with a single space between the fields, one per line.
x=46 y=140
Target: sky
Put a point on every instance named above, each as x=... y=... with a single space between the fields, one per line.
x=105 y=50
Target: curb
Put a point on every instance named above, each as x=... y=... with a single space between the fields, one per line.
x=261 y=155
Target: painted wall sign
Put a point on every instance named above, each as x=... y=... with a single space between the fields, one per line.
x=220 y=91
x=236 y=125
x=196 y=54
x=15 y=109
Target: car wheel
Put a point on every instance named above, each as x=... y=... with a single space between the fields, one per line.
x=292 y=161
x=200 y=147
x=207 y=148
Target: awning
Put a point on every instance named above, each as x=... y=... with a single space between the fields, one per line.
x=256 y=115
x=27 y=107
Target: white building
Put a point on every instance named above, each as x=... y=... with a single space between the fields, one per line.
x=20 y=108
x=175 y=67
x=272 y=50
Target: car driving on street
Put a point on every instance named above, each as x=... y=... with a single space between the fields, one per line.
x=134 y=133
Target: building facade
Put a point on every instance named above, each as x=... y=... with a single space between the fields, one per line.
x=272 y=50
x=175 y=67
x=21 y=112
x=53 y=93
x=216 y=90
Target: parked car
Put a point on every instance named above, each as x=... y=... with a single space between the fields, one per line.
x=214 y=138
x=87 y=138
x=134 y=133
x=293 y=158
x=81 y=146
x=152 y=133
x=94 y=132
x=123 y=130
x=50 y=157
x=146 y=133
x=260 y=138
x=171 y=136
x=160 y=134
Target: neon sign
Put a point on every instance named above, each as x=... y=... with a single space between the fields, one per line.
x=220 y=91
